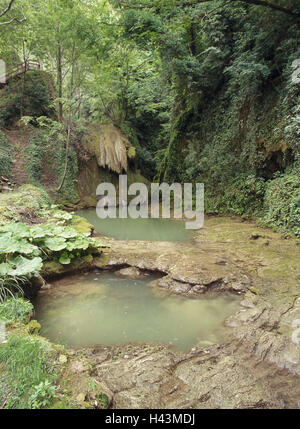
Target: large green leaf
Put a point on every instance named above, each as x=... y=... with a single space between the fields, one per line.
x=17 y=229
x=80 y=243
x=55 y=244
x=21 y=266
x=15 y=245
x=4 y=269
x=65 y=259
x=59 y=214
x=41 y=231
x=69 y=232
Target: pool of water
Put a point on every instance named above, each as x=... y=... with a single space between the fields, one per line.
x=138 y=229
x=102 y=308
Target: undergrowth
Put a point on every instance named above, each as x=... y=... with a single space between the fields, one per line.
x=28 y=378
x=6 y=157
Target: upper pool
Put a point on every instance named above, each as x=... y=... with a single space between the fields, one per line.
x=138 y=229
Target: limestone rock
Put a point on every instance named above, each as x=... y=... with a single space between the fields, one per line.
x=131 y=273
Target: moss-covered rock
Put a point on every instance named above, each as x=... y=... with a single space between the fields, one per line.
x=254 y=290
x=33 y=327
x=95 y=169
x=52 y=269
x=82 y=225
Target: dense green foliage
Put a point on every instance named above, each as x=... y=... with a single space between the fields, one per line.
x=6 y=158
x=282 y=203
x=33 y=156
x=23 y=249
x=47 y=143
x=23 y=204
x=28 y=96
x=234 y=119
x=58 y=236
x=204 y=90
x=15 y=310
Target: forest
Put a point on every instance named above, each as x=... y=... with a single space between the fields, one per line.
x=163 y=91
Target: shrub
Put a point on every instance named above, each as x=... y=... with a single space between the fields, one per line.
x=282 y=203
x=6 y=159
x=242 y=196
x=15 y=310
x=30 y=96
x=245 y=194
x=33 y=155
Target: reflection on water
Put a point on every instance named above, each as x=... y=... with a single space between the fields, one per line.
x=138 y=229
x=104 y=309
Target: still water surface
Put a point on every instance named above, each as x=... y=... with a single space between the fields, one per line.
x=138 y=229
x=102 y=308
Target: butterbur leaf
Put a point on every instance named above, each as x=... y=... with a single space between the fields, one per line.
x=17 y=229
x=55 y=244
x=69 y=233
x=14 y=245
x=4 y=269
x=40 y=232
x=78 y=243
x=65 y=259
x=62 y=215
x=21 y=266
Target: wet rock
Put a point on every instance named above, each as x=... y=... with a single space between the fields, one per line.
x=211 y=377
x=79 y=366
x=254 y=290
x=63 y=359
x=81 y=397
x=256 y=236
x=46 y=286
x=131 y=273
x=172 y=285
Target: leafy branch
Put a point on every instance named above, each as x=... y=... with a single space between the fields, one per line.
x=133 y=5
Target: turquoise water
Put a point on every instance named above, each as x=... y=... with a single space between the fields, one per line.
x=101 y=308
x=138 y=229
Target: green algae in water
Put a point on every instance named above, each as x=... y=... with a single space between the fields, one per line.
x=138 y=229
x=103 y=309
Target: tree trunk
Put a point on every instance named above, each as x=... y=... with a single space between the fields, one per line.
x=59 y=80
